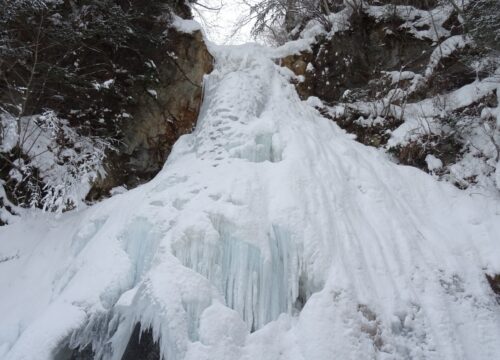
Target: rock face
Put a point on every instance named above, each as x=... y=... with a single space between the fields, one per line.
x=400 y=76
x=353 y=59
x=142 y=346
x=162 y=113
x=96 y=102
x=170 y=109
x=494 y=281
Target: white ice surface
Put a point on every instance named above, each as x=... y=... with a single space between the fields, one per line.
x=264 y=206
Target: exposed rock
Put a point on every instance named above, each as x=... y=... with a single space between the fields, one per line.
x=374 y=132
x=142 y=346
x=415 y=152
x=65 y=353
x=162 y=113
x=398 y=70
x=353 y=59
x=115 y=79
x=452 y=73
x=494 y=281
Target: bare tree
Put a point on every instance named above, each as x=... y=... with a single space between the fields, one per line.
x=283 y=18
x=481 y=20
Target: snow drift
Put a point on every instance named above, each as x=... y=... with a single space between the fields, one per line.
x=269 y=234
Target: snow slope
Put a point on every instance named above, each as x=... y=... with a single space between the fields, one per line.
x=269 y=234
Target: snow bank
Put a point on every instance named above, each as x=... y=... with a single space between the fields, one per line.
x=446 y=49
x=423 y=117
x=269 y=234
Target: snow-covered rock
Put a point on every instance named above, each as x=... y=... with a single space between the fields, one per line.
x=433 y=163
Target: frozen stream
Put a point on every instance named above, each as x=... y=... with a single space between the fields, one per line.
x=269 y=234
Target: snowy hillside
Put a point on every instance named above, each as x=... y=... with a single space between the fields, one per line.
x=269 y=234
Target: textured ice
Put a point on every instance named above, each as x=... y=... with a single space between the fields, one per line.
x=269 y=234
x=258 y=288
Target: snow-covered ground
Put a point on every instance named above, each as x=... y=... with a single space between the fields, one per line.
x=269 y=234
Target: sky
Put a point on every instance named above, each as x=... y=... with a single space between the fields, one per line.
x=226 y=25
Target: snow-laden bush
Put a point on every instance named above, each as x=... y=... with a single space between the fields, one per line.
x=483 y=21
x=52 y=166
x=281 y=20
x=85 y=61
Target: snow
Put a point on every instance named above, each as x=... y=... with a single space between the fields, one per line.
x=446 y=49
x=315 y=102
x=153 y=93
x=269 y=234
x=422 y=116
x=497 y=175
x=66 y=161
x=422 y=24
x=398 y=76
x=311 y=31
x=442 y=115
x=105 y=85
x=492 y=113
x=9 y=132
x=6 y=216
x=108 y=83
x=433 y=163
x=118 y=190
x=185 y=25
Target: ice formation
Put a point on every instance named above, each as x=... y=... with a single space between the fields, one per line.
x=269 y=234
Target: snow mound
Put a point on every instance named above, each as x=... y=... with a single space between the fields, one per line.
x=269 y=234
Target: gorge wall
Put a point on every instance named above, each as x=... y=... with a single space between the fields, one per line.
x=93 y=97
x=407 y=77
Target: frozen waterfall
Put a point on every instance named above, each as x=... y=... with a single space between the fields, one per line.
x=269 y=234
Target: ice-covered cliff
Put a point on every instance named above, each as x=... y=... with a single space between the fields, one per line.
x=269 y=234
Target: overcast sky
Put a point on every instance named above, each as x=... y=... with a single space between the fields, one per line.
x=224 y=26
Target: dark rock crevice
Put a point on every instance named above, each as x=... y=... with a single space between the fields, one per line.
x=142 y=346
x=494 y=281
